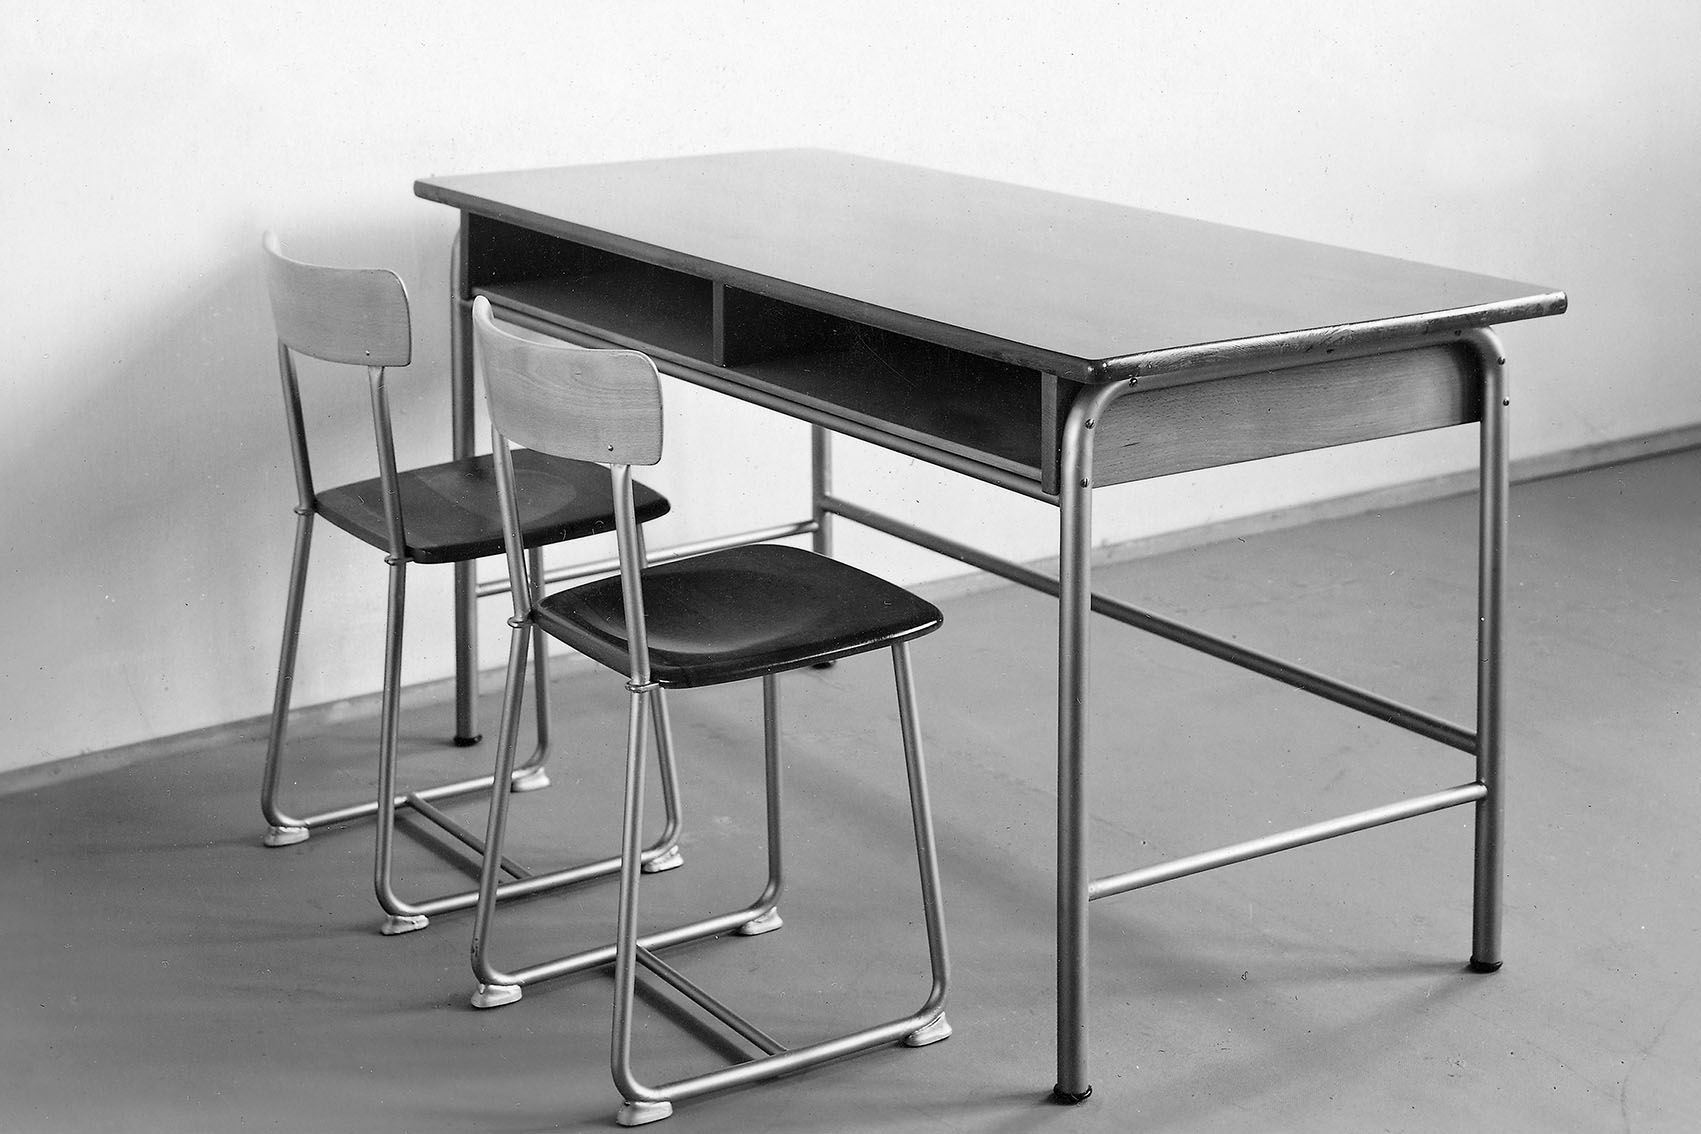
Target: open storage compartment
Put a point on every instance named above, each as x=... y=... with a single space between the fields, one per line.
x=988 y=411
x=601 y=292
x=972 y=406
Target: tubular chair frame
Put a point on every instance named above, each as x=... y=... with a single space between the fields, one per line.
x=374 y=329
x=645 y=1103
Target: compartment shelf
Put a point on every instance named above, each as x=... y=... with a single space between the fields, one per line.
x=967 y=404
x=981 y=409
x=598 y=291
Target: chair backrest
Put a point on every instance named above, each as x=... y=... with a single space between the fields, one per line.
x=350 y=315
x=581 y=404
x=353 y=315
x=569 y=401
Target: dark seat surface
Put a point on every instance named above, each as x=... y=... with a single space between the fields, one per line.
x=740 y=613
x=450 y=511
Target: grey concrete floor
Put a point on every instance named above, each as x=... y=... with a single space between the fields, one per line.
x=164 y=972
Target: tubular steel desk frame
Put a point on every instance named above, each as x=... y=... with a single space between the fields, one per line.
x=1106 y=417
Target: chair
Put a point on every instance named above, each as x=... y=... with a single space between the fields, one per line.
x=444 y=513
x=749 y=612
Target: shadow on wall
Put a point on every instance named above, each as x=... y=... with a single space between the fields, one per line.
x=150 y=517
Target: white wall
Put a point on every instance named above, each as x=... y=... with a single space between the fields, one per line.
x=143 y=148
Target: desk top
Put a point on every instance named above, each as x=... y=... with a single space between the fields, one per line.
x=1082 y=288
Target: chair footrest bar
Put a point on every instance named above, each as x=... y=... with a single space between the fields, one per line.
x=710 y=1004
x=660 y=555
x=1352 y=697
x=604 y=955
x=521 y=887
x=771 y=1066
x=532 y=884
x=427 y=811
x=369 y=808
x=1269 y=844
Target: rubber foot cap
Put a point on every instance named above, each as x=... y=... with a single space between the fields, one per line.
x=397 y=924
x=1477 y=966
x=284 y=836
x=1070 y=1098
x=468 y=741
x=932 y=1032
x=756 y=926
x=531 y=781
x=824 y=665
x=669 y=859
x=641 y=1113
x=495 y=995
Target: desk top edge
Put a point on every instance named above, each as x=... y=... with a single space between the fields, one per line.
x=1497 y=300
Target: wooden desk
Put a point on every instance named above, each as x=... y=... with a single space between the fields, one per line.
x=1044 y=343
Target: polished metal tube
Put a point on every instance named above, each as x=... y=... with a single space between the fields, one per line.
x=599 y=956
x=461 y=419
x=820 y=487
x=297 y=429
x=269 y=808
x=775 y=1065
x=387 y=727
x=540 y=659
x=702 y=998
x=461 y=414
x=497 y=819
x=1330 y=689
x=921 y=816
x=626 y=911
x=1075 y=597
x=665 y=555
x=629 y=539
x=1488 y=870
x=369 y=807
x=671 y=795
x=772 y=771
x=394 y=527
x=451 y=827
x=1284 y=840
x=507 y=502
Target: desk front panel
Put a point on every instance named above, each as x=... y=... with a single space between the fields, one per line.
x=987 y=411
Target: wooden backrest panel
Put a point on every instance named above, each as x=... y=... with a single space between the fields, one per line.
x=1182 y=428
x=355 y=315
x=566 y=400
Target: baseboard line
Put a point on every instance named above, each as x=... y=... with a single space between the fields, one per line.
x=1527 y=469
x=1523 y=471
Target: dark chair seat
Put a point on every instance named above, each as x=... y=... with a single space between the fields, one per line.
x=740 y=613
x=451 y=514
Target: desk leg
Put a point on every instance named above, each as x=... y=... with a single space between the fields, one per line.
x=1491 y=589
x=821 y=486
x=1075 y=502
x=461 y=430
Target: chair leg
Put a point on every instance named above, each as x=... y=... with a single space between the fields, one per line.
x=642 y=1105
x=769 y=919
x=493 y=990
x=531 y=776
x=926 y=852
x=664 y=854
x=497 y=987
x=402 y=917
x=645 y=1104
x=1488 y=869
x=284 y=829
